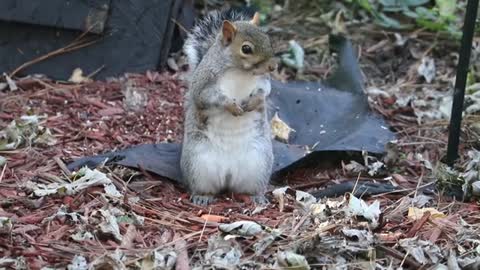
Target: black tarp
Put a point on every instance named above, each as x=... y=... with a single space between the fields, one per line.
x=132 y=36
x=329 y=116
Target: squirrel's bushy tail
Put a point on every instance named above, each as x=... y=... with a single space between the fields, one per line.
x=203 y=35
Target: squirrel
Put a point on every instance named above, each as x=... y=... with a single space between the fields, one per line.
x=227 y=145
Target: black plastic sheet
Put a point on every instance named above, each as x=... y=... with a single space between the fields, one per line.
x=131 y=36
x=329 y=116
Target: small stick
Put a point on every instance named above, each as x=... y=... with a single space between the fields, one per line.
x=95 y=72
x=416 y=227
x=356 y=183
x=75 y=45
x=418 y=185
x=204 y=225
x=435 y=234
x=50 y=177
x=400 y=256
x=62 y=166
x=180 y=26
x=300 y=223
x=3 y=172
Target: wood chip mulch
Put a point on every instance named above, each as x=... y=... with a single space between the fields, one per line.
x=95 y=117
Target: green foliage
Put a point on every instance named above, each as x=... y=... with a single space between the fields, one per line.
x=400 y=14
x=264 y=7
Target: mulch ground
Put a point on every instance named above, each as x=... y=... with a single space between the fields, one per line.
x=91 y=118
x=94 y=117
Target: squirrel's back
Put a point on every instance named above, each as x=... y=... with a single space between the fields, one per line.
x=203 y=35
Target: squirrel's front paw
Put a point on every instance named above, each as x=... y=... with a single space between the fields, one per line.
x=255 y=101
x=234 y=109
x=258 y=92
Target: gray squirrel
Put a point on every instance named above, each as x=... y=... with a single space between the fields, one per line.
x=227 y=143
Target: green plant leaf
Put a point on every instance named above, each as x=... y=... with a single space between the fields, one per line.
x=470 y=80
x=447 y=8
x=409 y=13
x=426 y=13
x=403 y=3
x=431 y=25
x=125 y=219
x=414 y=3
x=265 y=6
x=388 y=22
x=365 y=4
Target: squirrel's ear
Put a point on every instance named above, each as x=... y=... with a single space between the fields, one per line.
x=228 y=30
x=256 y=19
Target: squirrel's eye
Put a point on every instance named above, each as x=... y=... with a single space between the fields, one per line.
x=246 y=49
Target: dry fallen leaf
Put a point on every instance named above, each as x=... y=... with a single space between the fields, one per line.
x=78 y=263
x=87 y=178
x=223 y=252
x=280 y=129
x=11 y=83
x=427 y=69
x=358 y=207
x=291 y=260
x=415 y=213
x=280 y=194
x=77 y=76
x=3 y=161
x=243 y=228
x=3 y=86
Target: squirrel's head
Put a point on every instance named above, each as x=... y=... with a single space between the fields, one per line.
x=249 y=46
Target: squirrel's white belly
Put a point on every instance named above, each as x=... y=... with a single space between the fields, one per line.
x=235 y=154
x=225 y=128
x=238 y=84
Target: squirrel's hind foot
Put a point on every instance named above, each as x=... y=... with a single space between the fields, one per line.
x=259 y=199
x=202 y=200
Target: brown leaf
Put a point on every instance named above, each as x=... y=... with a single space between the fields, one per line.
x=129 y=237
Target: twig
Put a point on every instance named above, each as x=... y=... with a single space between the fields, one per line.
x=180 y=26
x=10 y=152
x=418 y=225
x=74 y=45
x=164 y=223
x=3 y=172
x=162 y=214
x=300 y=223
x=356 y=183
x=400 y=256
x=204 y=225
x=62 y=166
x=418 y=185
x=419 y=143
x=51 y=177
x=403 y=190
x=95 y=72
x=404 y=258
